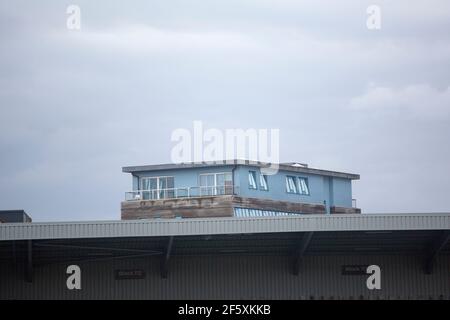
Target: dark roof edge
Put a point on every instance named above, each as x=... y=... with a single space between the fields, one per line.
x=173 y=166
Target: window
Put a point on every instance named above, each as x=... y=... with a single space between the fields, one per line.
x=216 y=183
x=297 y=185
x=291 y=185
x=224 y=183
x=252 y=179
x=207 y=184
x=303 y=186
x=263 y=182
x=157 y=187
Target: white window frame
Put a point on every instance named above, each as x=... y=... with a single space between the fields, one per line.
x=263 y=182
x=215 y=174
x=252 y=173
x=288 y=186
x=300 y=187
x=158 y=189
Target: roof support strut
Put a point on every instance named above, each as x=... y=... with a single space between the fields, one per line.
x=97 y=256
x=111 y=249
x=166 y=257
x=435 y=248
x=29 y=262
x=300 y=251
x=14 y=252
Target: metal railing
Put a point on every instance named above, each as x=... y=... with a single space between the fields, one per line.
x=173 y=193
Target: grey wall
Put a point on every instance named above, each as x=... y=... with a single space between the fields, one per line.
x=235 y=277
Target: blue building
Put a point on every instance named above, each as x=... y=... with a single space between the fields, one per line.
x=236 y=188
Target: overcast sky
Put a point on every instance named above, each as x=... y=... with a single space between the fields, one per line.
x=77 y=105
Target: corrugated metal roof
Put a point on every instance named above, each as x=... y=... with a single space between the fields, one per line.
x=247 y=212
x=234 y=225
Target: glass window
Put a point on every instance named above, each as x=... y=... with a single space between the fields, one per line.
x=157 y=187
x=207 y=183
x=170 y=187
x=229 y=183
x=291 y=185
x=220 y=179
x=252 y=180
x=145 y=184
x=224 y=182
x=162 y=186
x=303 y=186
x=150 y=186
x=216 y=183
x=263 y=182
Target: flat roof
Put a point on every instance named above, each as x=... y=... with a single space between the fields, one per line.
x=224 y=226
x=282 y=166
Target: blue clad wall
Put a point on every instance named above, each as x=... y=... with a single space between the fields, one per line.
x=135 y=183
x=330 y=191
x=342 y=192
x=277 y=186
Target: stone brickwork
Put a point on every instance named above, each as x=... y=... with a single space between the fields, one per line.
x=343 y=210
x=207 y=206
x=210 y=206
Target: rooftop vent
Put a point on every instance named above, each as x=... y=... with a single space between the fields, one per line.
x=296 y=164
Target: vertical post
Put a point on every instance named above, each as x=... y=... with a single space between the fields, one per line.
x=14 y=252
x=165 y=258
x=300 y=251
x=29 y=264
x=436 y=247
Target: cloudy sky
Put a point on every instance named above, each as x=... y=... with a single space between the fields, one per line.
x=77 y=105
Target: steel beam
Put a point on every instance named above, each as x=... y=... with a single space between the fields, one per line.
x=132 y=253
x=95 y=259
x=434 y=250
x=97 y=248
x=300 y=251
x=166 y=257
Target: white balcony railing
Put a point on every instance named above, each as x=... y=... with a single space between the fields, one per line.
x=171 y=193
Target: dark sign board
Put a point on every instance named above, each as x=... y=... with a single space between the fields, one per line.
x=354 y=270
x=129 y=274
